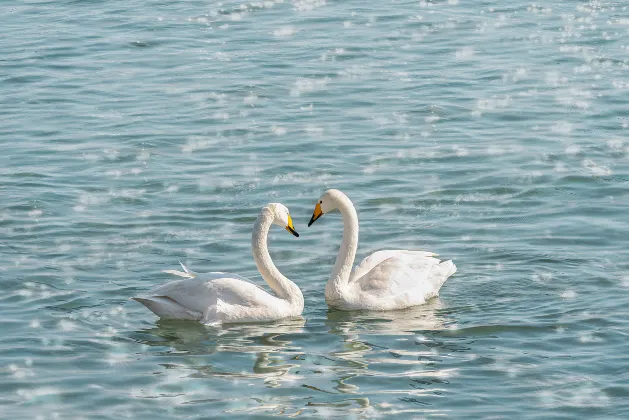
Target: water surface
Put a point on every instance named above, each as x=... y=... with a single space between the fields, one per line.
x=137 y=134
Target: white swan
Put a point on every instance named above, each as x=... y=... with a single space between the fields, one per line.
x=385 y=280
x=228 y=298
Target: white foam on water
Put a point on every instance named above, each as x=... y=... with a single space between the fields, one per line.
x=26 y=293
x=587 y=338
x=515 y=76
x=278 y=130
x=568 y=294
x=355 y=72
x=128 y=193
x=559 y=167
x=195 y=143
x=313 y=130
x=582 y=69
x=536 y=9
x=119 y=358
x=562 y=127
x=114 y=173
x=21 y=372
x=66 y=325
x=474 y=198
x=308 y=5
x=86 y=200
x=619 y=84
x=284 y=32
x=39 y=392
x=555 y=79
x=250 y=99
x=306 y=85
x=574 y=98
x=111 y=154
x=221 y=115
x=297 y=178
x=616 y=145
x=460 y=151
x=595 y=169
x=143 y=156
x=573 y=150
x=542 y=277
x=35 y=213
x=492 y=104
x=465 y=53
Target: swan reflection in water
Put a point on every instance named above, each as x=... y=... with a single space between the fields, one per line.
x=228 y=349
x=351 y=325
x=400 y=347
x=332 y=364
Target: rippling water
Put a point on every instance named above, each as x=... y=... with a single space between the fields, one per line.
x=139 y=133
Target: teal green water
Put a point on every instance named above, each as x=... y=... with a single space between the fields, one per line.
x=136 y=134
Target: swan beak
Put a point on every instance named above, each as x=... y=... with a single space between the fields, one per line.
x=315 y=214
x=291 y=228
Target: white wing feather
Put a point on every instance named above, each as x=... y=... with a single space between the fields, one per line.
x=377 y=257
x=395 y=279
x=212 y=297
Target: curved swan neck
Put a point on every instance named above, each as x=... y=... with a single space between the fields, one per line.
x=283 y=287
x=347 y=252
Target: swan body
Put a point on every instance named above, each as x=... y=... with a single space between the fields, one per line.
x=385 y=280
x=229 y=298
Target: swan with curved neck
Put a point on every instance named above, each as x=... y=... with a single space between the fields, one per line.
x=228 y=298
x=385 y=280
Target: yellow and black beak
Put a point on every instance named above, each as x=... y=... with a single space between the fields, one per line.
x=291 y=228
x=315 y=214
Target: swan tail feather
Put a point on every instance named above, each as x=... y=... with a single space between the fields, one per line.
x=186 y=269
x=180 y=273
x=447 y=268
x=451 y=267
x=167 y=308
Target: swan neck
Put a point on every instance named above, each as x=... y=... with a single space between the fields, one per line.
x=283 y=287
x=347 y=252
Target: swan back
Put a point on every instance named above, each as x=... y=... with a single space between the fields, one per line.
x=397 y=279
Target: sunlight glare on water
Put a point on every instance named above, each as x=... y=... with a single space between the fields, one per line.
x=138 y=134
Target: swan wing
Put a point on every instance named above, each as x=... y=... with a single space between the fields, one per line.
x=204 y=296
x=367 y=264
x=400 y=278
x=167 y=308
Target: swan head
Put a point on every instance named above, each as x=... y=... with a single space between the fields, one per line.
x=327 y=202
x=281 y=217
